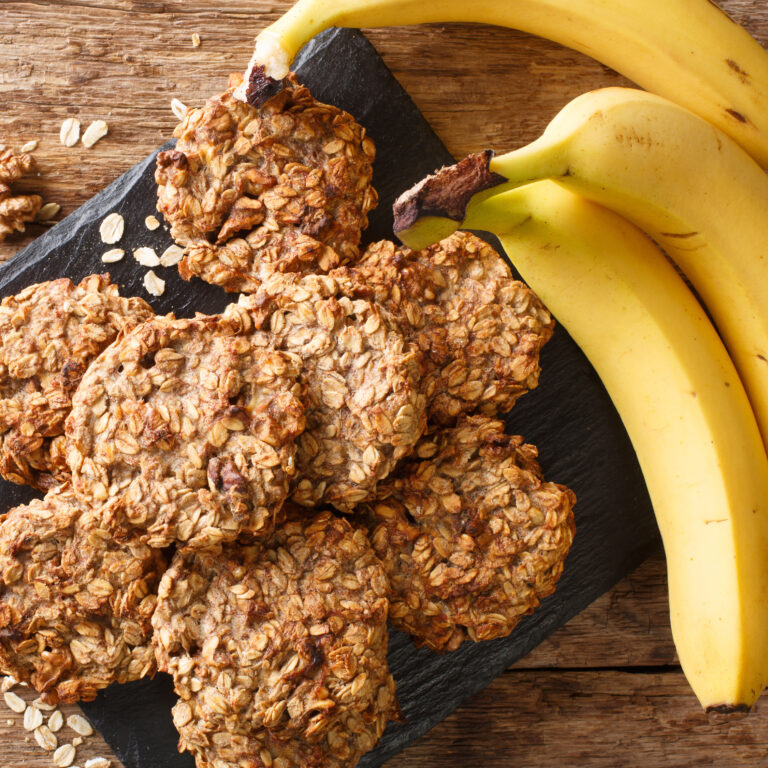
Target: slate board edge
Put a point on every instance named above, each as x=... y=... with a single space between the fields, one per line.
x=39 y=249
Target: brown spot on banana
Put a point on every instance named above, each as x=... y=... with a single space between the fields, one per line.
x=736 y=115
x=743 y=76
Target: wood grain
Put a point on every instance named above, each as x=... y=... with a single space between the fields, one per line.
x=602 y=691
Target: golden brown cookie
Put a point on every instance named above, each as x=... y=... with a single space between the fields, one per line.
x=278 y=649
x=16 y=210
x=279 y=188
x=190 y=424
x=480 y=330
x=471 y=535
x=49 y=335
x=75 y=606
x=365 y=407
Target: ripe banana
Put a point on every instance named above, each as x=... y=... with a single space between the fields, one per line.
x=698 y=194
x=684 y=408
x=686 y=50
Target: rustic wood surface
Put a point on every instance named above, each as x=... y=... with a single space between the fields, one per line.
x=604 y=690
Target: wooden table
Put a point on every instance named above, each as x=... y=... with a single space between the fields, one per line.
x=603 y=691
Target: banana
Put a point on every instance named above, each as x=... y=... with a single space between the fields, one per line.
x=686 y=50
x=684 y=409
x=696 y=192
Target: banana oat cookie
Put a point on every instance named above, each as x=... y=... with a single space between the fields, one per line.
x=480 y=330
x=75 y=606
x=470 y=534
x=251 y=191
x=190 y=424
x=49 y=335
x=365 y=406
x=278 y=649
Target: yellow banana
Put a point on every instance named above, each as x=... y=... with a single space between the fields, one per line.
x=686 y=50
x=698 y=194
x=684 y=409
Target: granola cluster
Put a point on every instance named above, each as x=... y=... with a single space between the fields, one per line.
x=15 y=210
x=189 y=426
x=278 y=649
x=49 y=335
x=470 y=534
x=365 y=407
x=279 y=188
x=76 y=606
x=481 y=331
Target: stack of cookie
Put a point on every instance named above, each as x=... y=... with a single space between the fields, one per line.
x=190 y=464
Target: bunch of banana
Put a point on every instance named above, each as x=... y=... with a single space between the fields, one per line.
x=684 y=409
x=686 y=50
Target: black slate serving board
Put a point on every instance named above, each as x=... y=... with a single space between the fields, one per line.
x=570 y=417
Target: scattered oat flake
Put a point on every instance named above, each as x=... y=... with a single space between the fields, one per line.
x=153 y=284
x=48 y=211
x=30 y=146
x=8 y=682
x=44 y=705
x=79 y=725
x=14 y=702
x=70 y=132
x=178 y=108
x=10 y=722
x=98 y=129
x=97 y=762
x=195 y=40
x=111 y=229
x=45 y=738
x=112 y=255
x=64 y=756
x=77 y=741
x=171 y=256
x=151 y=223
x=146 y=257
x=56 y=721
x=33 y=718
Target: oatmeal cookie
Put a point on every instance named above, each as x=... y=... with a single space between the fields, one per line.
x=278 y=648
x=49 y=334
x=365 y=406
x=480 y=330
x=470 y=534
x=279 y=188
x=75 y=606
x=191 y=424
x=15 y=210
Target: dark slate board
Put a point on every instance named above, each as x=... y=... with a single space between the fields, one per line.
x=570 y=417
